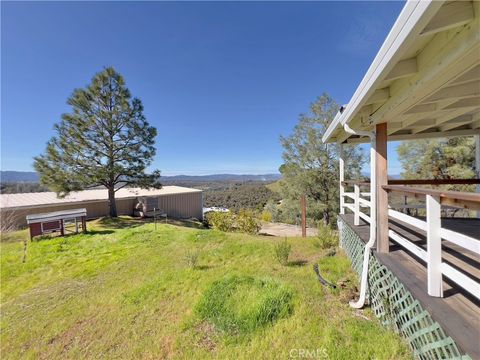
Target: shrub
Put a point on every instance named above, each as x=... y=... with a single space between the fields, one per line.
x=266 y=216
x=274 y=210
x=246 y=222
x=282 y=252
x=327 y=237
x=191 y=258
x=241 y=304
x=222 y=221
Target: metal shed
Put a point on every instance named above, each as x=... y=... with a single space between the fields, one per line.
x=177 y=202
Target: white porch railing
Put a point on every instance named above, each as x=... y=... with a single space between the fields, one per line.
x=436 y=267
x=434 y=200
x=361 y=201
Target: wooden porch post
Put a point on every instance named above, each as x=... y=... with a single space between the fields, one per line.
x=382 y=195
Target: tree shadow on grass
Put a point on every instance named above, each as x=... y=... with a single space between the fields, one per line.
x=204 y=267
x=184 y=223
x=99 y=232
x=120 y=222
x=300 y=262
x=57 y=235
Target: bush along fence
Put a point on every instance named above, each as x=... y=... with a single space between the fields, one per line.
x=395 y=306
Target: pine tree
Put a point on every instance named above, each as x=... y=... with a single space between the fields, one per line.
x=311 y=167
x=451 y=158
x=104 y=141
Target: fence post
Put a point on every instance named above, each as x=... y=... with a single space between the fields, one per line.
x=434 y=247
x=304 y=216
x=155 y=217
x=356 y=191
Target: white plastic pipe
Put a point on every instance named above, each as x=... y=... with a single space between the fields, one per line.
x=477 y=164
x=373 y=215
x=341 y=167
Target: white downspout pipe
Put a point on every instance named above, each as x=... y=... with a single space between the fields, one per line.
x=341 y=167
x=373 y=215
x=477 y=164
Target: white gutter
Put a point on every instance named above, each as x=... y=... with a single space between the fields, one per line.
x=412 y=20
x=373 y=215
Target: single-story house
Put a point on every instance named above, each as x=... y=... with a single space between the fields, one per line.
x=175 y=201
x=421 y=275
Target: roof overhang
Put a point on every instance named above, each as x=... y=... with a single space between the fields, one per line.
x=424 y=81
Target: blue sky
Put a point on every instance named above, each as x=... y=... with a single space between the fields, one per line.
x=221 y=81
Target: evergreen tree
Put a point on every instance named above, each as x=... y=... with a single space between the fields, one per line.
x=451 y=158
x=105 y=141
x=311 y=167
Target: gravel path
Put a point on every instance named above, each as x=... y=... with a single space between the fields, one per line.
x=280 y=229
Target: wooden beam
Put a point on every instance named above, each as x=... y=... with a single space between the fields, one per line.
x=458 y=121
x=380 y=95
x=443 y=59
x=440 y=120
x=450 y=15
x=425 y=122
x=382 y=195
x=475 y=125
x=467 y=102
x=441 y=114
x=459 y=91
x=421 y=108
x=430 y=135
x=435 y=182
x=403 y=69
x=469 y=75
x=449 y=198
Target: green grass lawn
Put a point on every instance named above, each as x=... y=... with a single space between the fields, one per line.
x=126 y=290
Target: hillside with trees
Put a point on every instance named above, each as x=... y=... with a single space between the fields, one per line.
x=310 y=167
x=452 y=158
x=240 y=196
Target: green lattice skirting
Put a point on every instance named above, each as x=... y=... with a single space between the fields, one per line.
x=395 y=306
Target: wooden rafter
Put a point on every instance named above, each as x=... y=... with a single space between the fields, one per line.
x=450 y=15
x=445 y=65
x=469 y=89
x=380 y=95
x=441 y=120
x=403 y=69
x=474 y=130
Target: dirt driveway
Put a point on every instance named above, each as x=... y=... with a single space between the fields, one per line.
x=279 y=229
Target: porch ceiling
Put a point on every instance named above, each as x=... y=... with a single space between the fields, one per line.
x=425 y=80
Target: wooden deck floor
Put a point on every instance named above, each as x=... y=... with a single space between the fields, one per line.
x=457 y=312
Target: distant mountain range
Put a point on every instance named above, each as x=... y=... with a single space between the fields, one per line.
x=222 y=177
x=18 y=176
x=30 y=176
